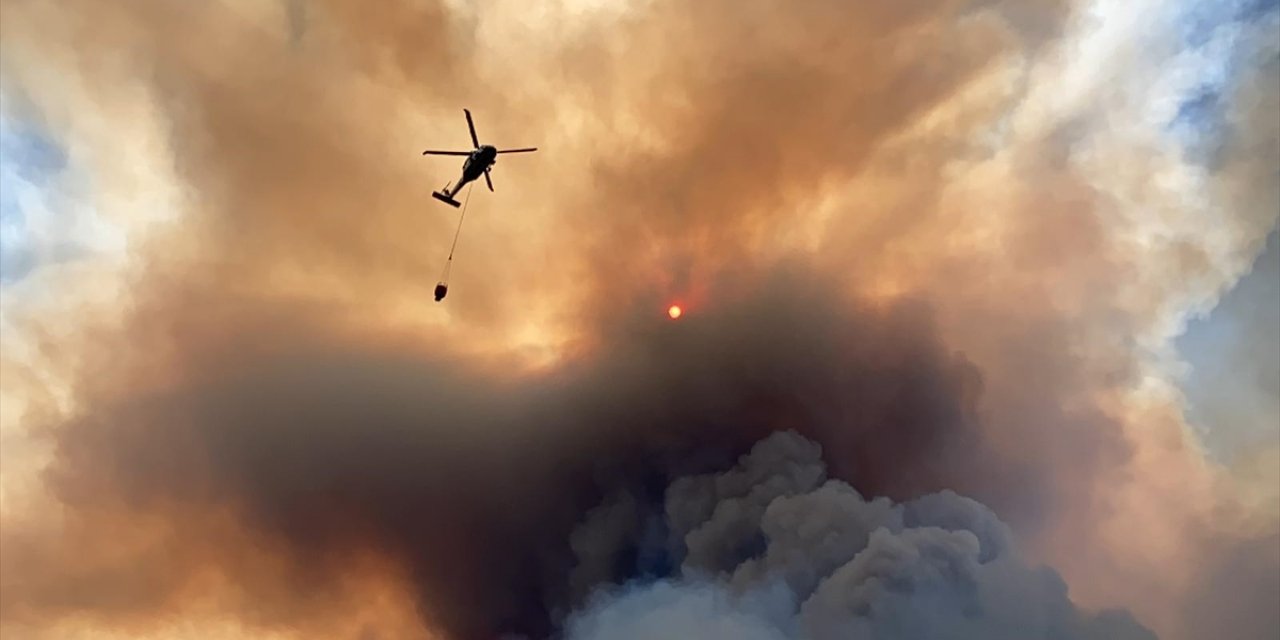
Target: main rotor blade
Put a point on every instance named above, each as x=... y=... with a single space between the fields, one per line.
x=430 y=152
x=520 y=150
x=472 y=127
x=487 y=180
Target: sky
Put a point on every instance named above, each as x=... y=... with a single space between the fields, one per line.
x=1002 y=266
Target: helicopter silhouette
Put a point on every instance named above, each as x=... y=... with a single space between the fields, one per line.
x=479 y=161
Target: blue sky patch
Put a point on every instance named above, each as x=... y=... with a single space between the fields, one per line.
x=31 y=162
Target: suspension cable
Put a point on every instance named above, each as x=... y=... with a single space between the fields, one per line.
x=448 y=265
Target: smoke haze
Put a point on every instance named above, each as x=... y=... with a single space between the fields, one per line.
x=931 y=270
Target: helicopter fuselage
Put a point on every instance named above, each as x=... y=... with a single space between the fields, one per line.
x=475 y=165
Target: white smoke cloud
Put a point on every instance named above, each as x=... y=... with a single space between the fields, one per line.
x=676 y=610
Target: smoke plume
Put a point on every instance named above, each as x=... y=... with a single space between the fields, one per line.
x=475 y=480
x=922 y=252
x=772 y=550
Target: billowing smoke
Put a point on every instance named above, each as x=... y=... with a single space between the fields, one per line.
x=943 y=244
x=772 y=549
x=486 y=487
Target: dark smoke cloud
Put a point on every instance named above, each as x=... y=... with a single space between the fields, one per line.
x=475 y=480
x=771 y=550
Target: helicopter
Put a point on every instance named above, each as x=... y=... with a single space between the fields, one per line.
x=478 y=163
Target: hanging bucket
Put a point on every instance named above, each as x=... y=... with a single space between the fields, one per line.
x=441 y=289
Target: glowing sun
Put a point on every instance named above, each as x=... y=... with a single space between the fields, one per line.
x=674 y=311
